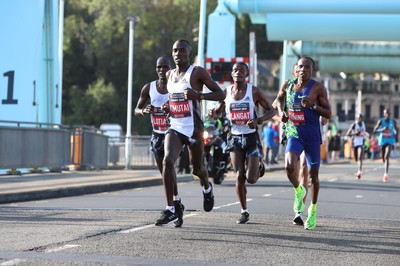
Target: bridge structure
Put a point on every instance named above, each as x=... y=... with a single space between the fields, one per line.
x=342 y=35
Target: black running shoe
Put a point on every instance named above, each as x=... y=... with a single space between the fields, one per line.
x=261 y=168
x=244 y=218
x=179 y=209
x=208 y=203
x=166 y=218
x=298 y=219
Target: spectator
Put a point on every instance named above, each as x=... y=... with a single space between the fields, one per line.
x=268 y=135
x=374 y=149
x=275 y=148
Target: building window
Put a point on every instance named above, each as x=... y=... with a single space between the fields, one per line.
x=396 y=87
x=367 y=111
x=340 y=112
x=396 y=111
x=381 y=108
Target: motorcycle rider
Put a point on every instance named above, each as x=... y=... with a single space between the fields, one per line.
x=217 y=159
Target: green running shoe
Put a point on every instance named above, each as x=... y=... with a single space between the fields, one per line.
x=311 y=222
x=298 y=205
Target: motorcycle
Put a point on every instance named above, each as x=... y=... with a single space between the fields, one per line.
x=216 y=159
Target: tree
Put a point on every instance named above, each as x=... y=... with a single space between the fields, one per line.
x=96 y=40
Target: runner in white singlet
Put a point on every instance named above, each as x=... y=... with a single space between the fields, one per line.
x=185 y=84
x=156 y=91
x=244 y=145
x=357 y=131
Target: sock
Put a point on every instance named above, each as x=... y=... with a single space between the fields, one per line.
x=313 y=207
x=244 y=210
x=171 y=208
x=177 y=198
x=298 y=189
x=207 y=190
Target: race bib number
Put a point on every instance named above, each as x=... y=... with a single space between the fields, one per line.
x=296 y=115
x=159 y=119
x=387 y=134
x=179 y=106
x=240 y=113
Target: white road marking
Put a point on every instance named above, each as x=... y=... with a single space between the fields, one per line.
x=61 y=248
x=359 y=196
x=12 y=262
x=267 y=195
x=127 y=231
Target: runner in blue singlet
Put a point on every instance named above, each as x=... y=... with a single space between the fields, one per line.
x=387 y=129
x=301 y=101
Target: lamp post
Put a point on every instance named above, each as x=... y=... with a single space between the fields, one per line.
x=128 y=138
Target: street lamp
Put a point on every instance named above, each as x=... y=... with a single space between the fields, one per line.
x=128 y=138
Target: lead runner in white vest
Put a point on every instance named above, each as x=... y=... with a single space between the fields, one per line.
x=185 y=84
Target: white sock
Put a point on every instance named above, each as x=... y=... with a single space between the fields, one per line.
x=207 y=190
x=177 y=197
x=245 y=210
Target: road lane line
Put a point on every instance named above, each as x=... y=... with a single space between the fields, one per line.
x=127 y=231
x=12 y=262
x=229 y=204
x=61 y=248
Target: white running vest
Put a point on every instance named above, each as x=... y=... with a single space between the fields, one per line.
x=182 y=112
x=241 y=111
x=158 y=118
x=359 y=140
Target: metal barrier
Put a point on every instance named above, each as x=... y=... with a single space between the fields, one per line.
x=53 y=146
x=88 y=149
x=40 y=145
x=142 y=157
x=34 y=147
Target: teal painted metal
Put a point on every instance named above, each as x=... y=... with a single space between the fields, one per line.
x=333 y=27
x=347 y=48
x=221 y=33
x=352 y=57
x=314 y=6
x=328 y=20
x=357 y=64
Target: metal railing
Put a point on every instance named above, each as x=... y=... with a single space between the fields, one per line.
x=34 y=147
x=42 y=145
x=141 y=155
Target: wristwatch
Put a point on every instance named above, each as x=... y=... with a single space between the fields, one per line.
x=314 y=106
x=201 y=96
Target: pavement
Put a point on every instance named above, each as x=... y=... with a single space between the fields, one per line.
x=47 y=185
x=38 y=186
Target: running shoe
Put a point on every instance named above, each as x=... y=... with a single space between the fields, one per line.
x=244 y=218
x=208 y=203
x=261 y=168
x=311 y=222
x=385 y=178
x=166 y=217
x=358 y=175
x=298 y=219
x=179 y=209
x=298 y=205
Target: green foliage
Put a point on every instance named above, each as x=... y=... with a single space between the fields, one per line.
x=96 y=48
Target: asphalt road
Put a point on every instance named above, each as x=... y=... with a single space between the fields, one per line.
x=357 y=221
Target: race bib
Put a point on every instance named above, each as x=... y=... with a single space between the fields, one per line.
x=296 y=115
x=240 y=113
x=159 y=119
x=179 y=106
x=387 y=134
